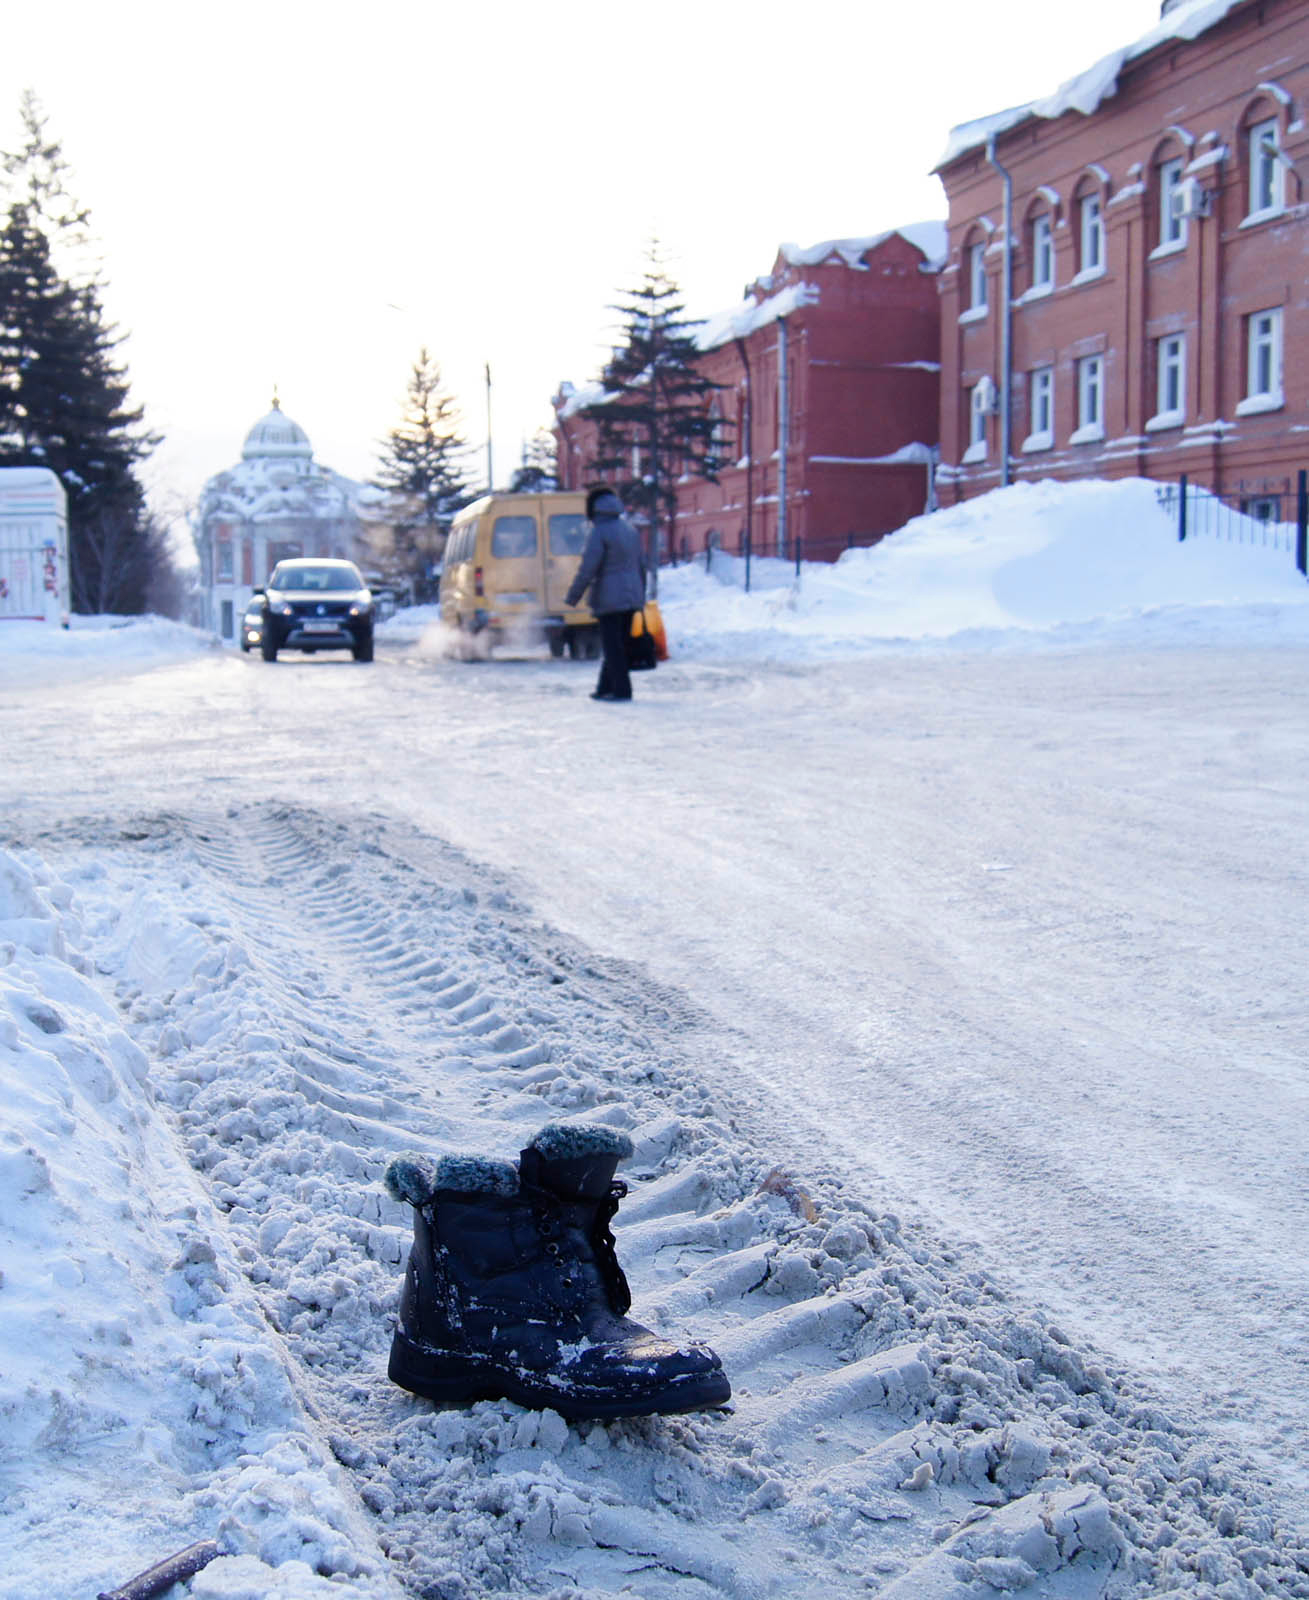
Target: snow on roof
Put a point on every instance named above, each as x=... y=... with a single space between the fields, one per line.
x=929 y=237
x=578 y=399
x=264 y=487
x=741 y=320
x=738 y=321
x=1089 y=89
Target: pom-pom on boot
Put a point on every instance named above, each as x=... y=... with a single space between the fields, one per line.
x=513 y=1289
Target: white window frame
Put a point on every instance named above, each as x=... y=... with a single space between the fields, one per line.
x=1042 y=253
x=977 y=277
x=1267 y=174
x=1263 y=370
x=979 y=409
x=1170 y=383
x=1172 y=229
x=1091 y=218
x=1090 y=401
x=1040 y=410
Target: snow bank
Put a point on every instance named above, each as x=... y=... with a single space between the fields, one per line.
x=144 y=1404
x=35 y=651
x=1029 y=566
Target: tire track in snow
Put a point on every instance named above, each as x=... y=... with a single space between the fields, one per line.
x=899 y=1427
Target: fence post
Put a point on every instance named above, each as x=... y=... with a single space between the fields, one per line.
x=799 y=553
x=747 y=561
x=1181 y=508
x=1302 y=522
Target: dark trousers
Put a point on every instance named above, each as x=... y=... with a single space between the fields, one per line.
x=615 y=630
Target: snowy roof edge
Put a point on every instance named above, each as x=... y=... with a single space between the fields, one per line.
x=1088 y=90
x=739 y=320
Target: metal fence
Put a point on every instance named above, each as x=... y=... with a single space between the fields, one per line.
x=798 y=550
x=1272 y=514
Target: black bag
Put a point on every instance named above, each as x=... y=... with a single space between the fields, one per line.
x=641 y=653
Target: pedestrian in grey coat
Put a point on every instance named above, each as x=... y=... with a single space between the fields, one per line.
x=613 y=568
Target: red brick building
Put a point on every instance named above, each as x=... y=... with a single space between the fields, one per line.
x=829 y=374
x=1155 y=256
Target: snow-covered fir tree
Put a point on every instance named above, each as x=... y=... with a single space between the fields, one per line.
x=655 y=422
x=64 y=396
x=422 y=467
x=540 y=467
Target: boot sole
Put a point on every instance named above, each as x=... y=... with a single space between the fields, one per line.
x=454 y=1378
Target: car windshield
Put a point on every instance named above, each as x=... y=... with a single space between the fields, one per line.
x=324 y=578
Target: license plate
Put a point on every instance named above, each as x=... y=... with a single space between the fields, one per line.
x=320 y=627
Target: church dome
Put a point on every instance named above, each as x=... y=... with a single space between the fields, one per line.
x=278 y=437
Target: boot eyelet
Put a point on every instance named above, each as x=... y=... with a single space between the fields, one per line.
x=551 y=1249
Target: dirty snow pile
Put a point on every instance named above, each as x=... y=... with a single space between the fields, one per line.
x=1034 y=565
x=206 y=1074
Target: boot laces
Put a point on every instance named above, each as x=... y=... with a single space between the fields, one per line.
x=545 y=1211
x=620 y=1295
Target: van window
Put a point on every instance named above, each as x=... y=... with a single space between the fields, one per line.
x=567 y=533
x=513 y=536
x=458 y=546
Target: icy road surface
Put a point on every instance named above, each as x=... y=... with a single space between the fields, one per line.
x=1009 y=941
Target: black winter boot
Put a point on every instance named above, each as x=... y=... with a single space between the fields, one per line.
x=514 y=1291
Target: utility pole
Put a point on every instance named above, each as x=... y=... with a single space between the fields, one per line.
x=747 y=428
x=490 y=475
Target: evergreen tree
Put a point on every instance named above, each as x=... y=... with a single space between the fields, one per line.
x=64 y=399
x=656 y=410
x=422 y=467
x=540 y=468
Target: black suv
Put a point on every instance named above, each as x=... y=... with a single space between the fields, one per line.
x=316 y=604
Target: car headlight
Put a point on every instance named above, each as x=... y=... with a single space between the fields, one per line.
x=362 y=608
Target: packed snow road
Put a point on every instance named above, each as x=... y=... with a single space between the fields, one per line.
x=1009 y=941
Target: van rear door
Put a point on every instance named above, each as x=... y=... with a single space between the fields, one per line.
x=514 y=571
x=564 y=541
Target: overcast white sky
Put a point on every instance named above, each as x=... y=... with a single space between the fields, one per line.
x=303 y=194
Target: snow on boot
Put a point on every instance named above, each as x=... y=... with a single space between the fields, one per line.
x=513 y=1288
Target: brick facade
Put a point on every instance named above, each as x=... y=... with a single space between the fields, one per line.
x=1148 y=338
x=853 y=328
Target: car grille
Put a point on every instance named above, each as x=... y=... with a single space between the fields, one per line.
x=309 y=609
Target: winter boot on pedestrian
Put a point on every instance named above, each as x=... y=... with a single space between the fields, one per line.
x=513 y=1288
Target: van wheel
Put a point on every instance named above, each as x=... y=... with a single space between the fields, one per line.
x=555 y=639
x=592 y=650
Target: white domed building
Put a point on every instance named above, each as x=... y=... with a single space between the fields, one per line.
x=278 y=502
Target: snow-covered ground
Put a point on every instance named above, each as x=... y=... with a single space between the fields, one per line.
x=933 y=923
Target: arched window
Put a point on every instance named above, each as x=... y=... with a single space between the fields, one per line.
x=1088 y=223
x=1263 y=165
x=974 y=272
x=1167 y=197
x=1038 y=246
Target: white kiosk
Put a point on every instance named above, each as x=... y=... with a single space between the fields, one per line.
x=33 y=546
